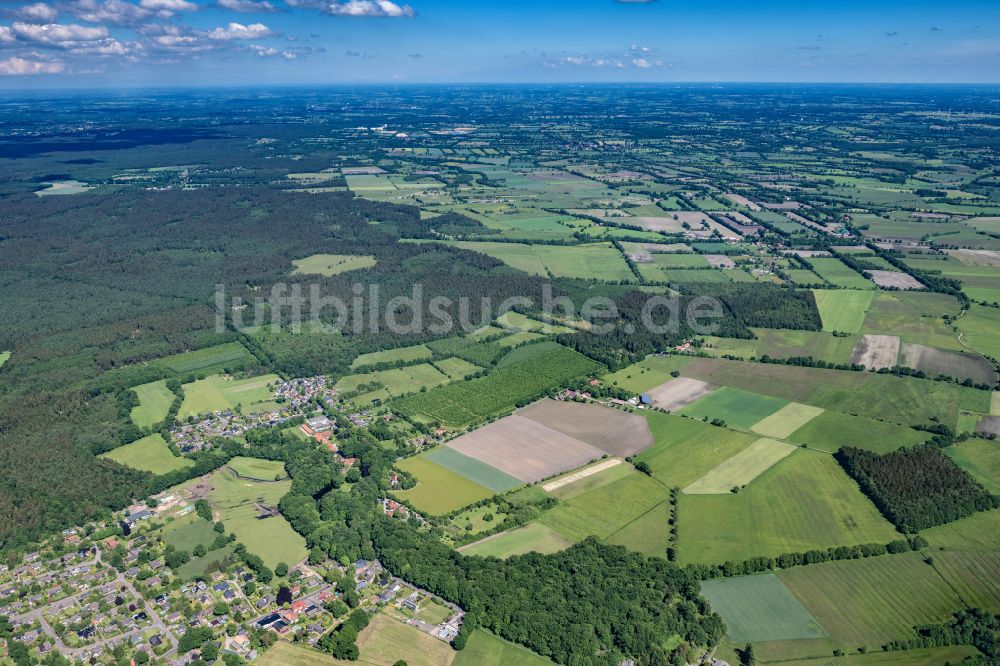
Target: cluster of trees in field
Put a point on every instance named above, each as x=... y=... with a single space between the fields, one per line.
x=916 y=488
x=763 y=305
x=974 y=626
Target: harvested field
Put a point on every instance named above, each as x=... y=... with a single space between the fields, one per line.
x=786 y=420
x=610 y=430
x=895 y=279
x=741 y=200
x=742 y=468
x=989 y=425
x=876 y=351
x=525 y=449
x=977 y=257
x=679 y=392
x=720 y=261
x=936 y=362
x=659 y=223
x=582 y=474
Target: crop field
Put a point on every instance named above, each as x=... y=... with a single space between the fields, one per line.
x=385 y=641
x=936 y=362
x=779 y=343
x=530 y=538
x=518 y=321
x=869 y=602
x=980 y=458
x=980 y=325
x=975 y=575
x=400 y=354
x=895 y=280
x=485 y=649
x=472 y=469
x=525 y=449
x=843 y=309
x=149 y=454
x=760 y=608
x=520 y=376
x=209 y=360
x=647 y=374
x=981 y=283
x=648 y=534
x=236 y=502
x=742 y=468
x=599 y=261
x=606 y=509
x=804 y=502
x=397 y=381
x=257 y=469
x=786 y=420
x=221 y=392
x=332 y=264
x=154 y=403
x=953 y=654
x=978 y=532
x=684 y=449
x=439 y=490
x=876 y=351
x=838 y=274
x=831 y=430
x=916 y=317
x=610 y=430
x=741 y=409
x=679 y=393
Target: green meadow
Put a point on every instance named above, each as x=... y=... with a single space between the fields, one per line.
x=154 y=403
x=149 y=454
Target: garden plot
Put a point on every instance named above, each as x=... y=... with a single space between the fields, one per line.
x=679 y=392
x=876 y=351
x=895 y=279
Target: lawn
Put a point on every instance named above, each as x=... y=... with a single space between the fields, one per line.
x=209 y=360
x=235 y=501
x=684 y=450
x=400 y=354
x=221 y=392
x=485 y=649
x=154 y=403
x=256 y=469
x=738 y=408
x=831 y=430
x=804 y=502
x=869 y=602
x=332 y=264
x=760 y=608
x=474 y=470
x=149 y=454
x=533 y=537
x=786 y=420
x=647 y=374
x=606 y=509
x=843 y=309
x=742 y=468
x=439 y=490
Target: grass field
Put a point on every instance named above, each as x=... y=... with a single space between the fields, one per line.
x=648 y=534
x=439 y=490
x=235 y=501
x=831 y=430
x=588 y=478
x=188 y=532
x=221 y=392
x=781 y=343
x=472 y=469
x=284 y=653
x=980 y=326
x=385 y=641
x=760 y=608
x=916 y=317
x=786 y=420
x=533 y=537
x=742 y=468
x=397 y=381
x=978 y=532
x=837 y=273
x=149 y=454
x=974 y=574
x=209 y=360
x=332 y=264
x=804 y=502
x=3 y=357
x=485 y=649
x=871 y=601
x=938 y=656
x=684 y=450
x=257 y=469
x=456 y=368
x=738 y=408
x=516 y=320
x=647 y=374
x=843 y=309
x=154 y=403
x=606 y=509
x=599 y=261
x=980 y=458
x=402 y=354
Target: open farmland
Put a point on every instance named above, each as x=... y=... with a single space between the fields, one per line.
x=439 y=490
x=684 y=449
x=256 y=469
x=804 y=502
x=936 y=362
x=678 y=393
x=916 y=317
x=398 y=355
x=599 y=261
x=385 y=641
x=895 y=280
x=149 y=454
x=610 y=430
x=485 y=649
x=760 y=608
x=783 y=343
x=876 y=351
x=981 y=458
x=786 y=420
x=209 y=360
x=935 y=656
x=523 y=375
x=831 y=430
x=221 y=392
x=472 y=469
x=647 y=374
x=332 y=264
x=530 y=538
x=4 y=356
x=979 y=327
x=154 y=403
x=843 y=309
x=839 y=274
x=741 y=409
x=742 y=468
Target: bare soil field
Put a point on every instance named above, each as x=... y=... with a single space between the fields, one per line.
x=679 y=392
x=953 y=364
x=809 y=253
x=720 y=261
x=525 y=449
x=610 y=430
x=895 y=279
x=642 y=253
x=989 y=425
x=741 y=200
x=977 y=257
x=876 y=351
x=665 y=223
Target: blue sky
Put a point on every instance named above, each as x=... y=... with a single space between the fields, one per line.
x=95 y=43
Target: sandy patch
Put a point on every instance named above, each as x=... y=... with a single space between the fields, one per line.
x=977 y=257
x=582 y=474
x=679 y=392
x=895 y=279
x=876 y=351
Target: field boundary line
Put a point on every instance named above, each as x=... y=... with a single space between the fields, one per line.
x=582 y=474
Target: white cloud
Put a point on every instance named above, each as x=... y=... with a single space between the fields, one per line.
x=38 y=12
x=268 y=52
x=247 y=6
x=6 y=35
x=240 y=31
x=21 y=67
x=110 y=12
x=358 y=8
x=613 y=61
x=58 y=35
x=168 y=5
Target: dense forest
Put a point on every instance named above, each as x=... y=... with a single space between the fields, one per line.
x=916 y=488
